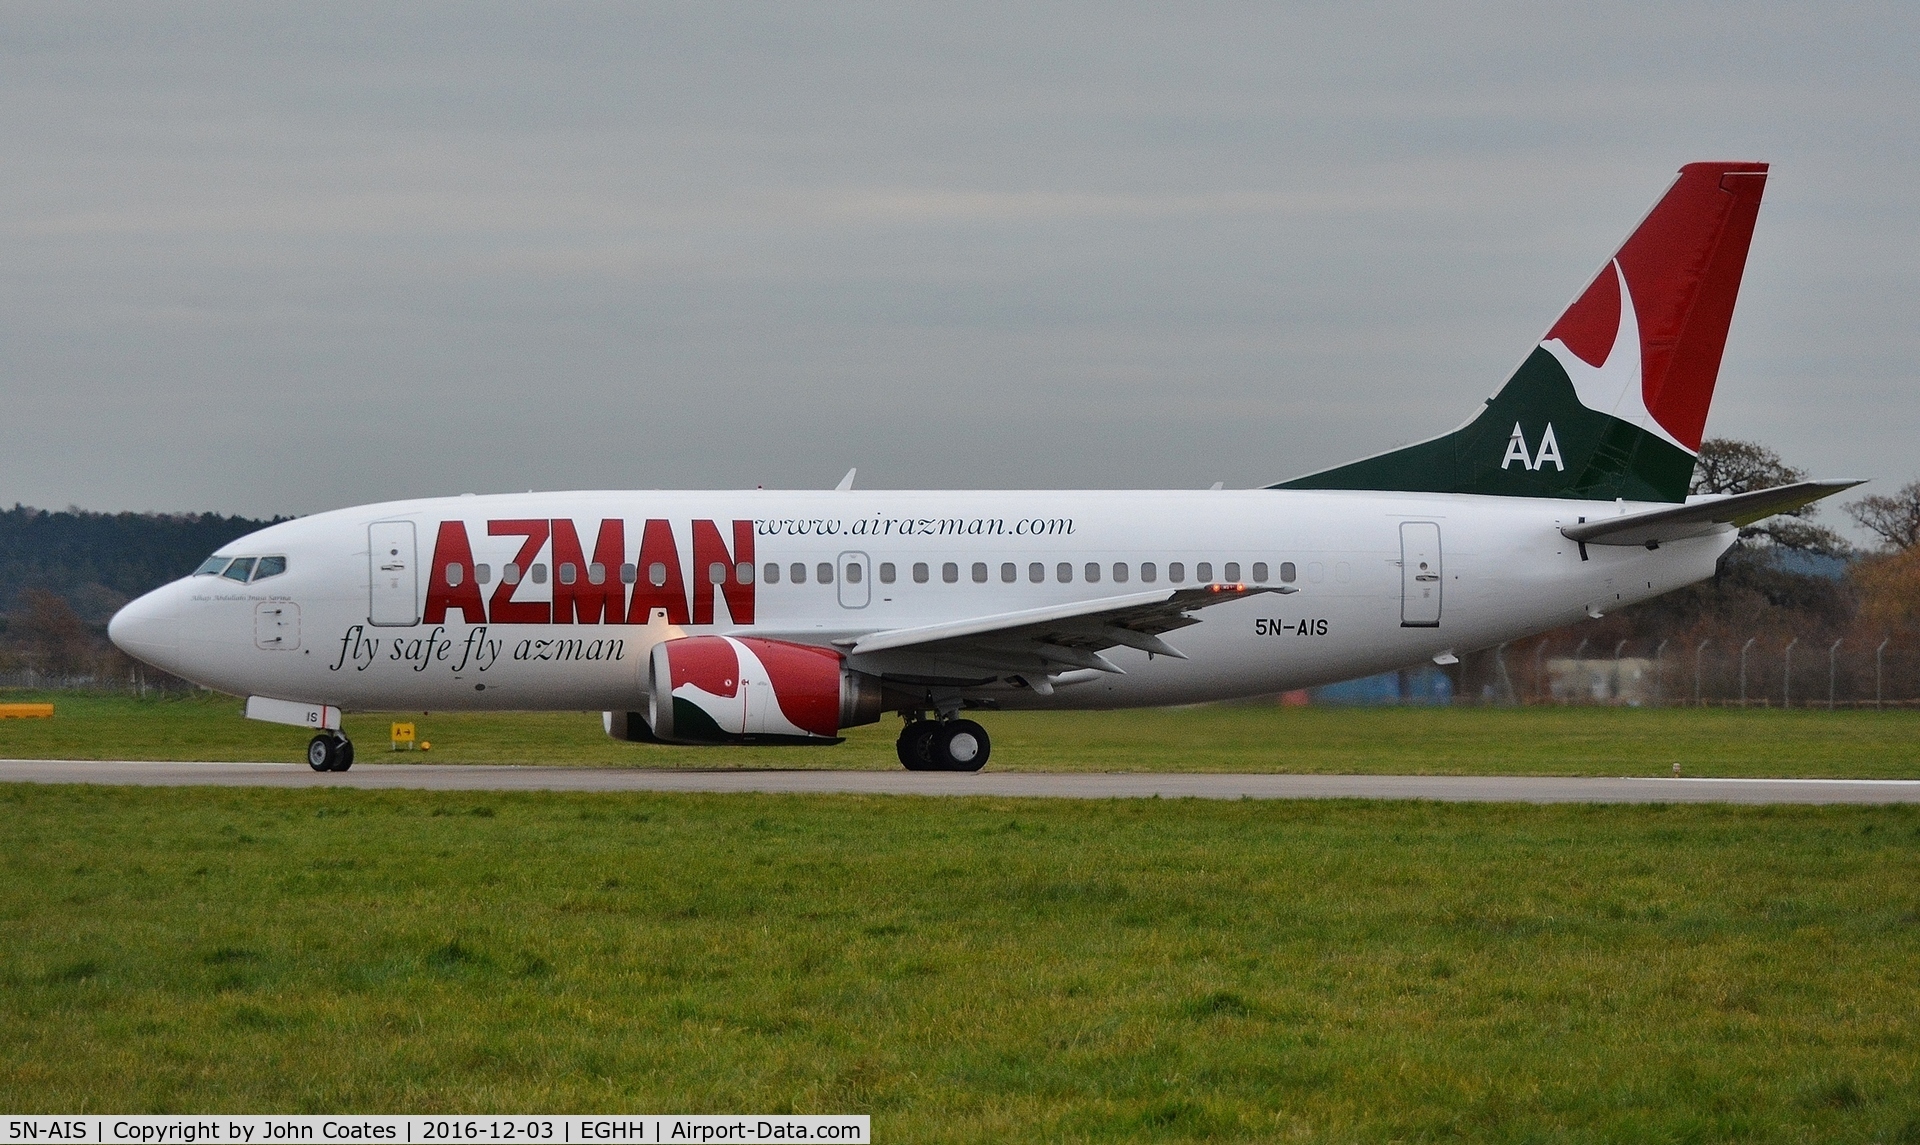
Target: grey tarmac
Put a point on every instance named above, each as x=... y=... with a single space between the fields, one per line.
x=1019 y=785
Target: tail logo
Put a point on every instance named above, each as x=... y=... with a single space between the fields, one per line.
x=1517 y=451
x=1613 y=386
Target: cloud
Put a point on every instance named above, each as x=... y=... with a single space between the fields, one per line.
x=272 y=258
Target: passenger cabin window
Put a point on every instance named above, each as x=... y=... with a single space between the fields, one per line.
x=1260 y=572
x=596 y=573
x=1093 y=573
x=629 y=573
x=1064 y=572
x=455 y=574
x=568 y=574
x=920 y=572
x=799 y=572
x=482 y=574
x=1286 y=572
x=1120 y=572
x=656 y=573
x=1036 y=572
x=1148 y=573
x=269 y=566
x=823 y=572
x=886 y=572
x=979 y=572
x=743 y=573
x=1176 y=572
x=1009 y=573
x=950 y=573
x=772 y=573
x=1203 y=572
x=853 y=572
x=211 y=566
x=539 y=573
x=1233 y=571
x=239 y=570
x=716 y=573
x=510 y=573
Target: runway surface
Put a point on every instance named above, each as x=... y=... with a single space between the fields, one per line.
x=1053 y=785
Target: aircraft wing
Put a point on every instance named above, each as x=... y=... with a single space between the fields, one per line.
x=1701 y=515
x=1037 y=641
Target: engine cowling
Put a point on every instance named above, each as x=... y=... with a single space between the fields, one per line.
x=728 y=689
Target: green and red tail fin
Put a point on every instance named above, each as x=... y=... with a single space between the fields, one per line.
x=1613 y=401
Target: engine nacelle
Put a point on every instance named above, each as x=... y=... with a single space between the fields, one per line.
x=728 y=689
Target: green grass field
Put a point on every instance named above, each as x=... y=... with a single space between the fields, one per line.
x=1264 y=737
x=970 y=970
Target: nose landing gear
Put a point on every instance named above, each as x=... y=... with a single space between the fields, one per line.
x=329 y=752
x=943 y=745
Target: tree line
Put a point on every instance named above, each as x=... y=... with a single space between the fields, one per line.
x=64 y=574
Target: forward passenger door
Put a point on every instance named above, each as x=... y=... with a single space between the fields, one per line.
x=392 y=579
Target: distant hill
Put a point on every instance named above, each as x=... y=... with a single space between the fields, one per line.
x=99 y=561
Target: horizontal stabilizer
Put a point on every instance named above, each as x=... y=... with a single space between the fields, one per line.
x=1702 y=515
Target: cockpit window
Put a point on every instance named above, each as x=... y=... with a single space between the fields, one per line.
x=242 y=569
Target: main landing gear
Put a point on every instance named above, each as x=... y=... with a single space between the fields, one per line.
x=943 y=745
x=329 y=751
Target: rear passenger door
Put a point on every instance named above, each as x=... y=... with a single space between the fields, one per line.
x=1419 y=574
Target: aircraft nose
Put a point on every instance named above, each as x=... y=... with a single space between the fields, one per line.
x=148 y=628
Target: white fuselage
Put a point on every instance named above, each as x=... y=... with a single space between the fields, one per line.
x=347 y=626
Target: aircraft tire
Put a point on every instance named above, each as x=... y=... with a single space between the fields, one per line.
x=916 y=744
x=960 y=745
x=327 y=752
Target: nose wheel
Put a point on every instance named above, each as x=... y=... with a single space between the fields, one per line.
x=943 y=745
x=329 y=752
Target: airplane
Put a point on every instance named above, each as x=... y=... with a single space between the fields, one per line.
x=761 y=616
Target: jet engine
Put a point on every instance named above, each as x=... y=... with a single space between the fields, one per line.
x=726 y=689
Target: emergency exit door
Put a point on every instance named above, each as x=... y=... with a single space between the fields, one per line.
x=391 y=576
x=856 y=586
x=1420 y=582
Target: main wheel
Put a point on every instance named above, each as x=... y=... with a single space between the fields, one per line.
x=960 y=745
x=915 y=745
x=343 y=756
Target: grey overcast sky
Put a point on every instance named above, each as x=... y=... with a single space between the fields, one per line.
x=267 y=258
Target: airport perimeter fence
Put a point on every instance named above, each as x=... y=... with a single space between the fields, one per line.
x=137 y=681
x=1762 y=671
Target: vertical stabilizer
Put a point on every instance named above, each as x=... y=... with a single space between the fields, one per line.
x=1613 y=400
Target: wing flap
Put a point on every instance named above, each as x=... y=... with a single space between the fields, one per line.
x=1152 y=613
x=1059 y=636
